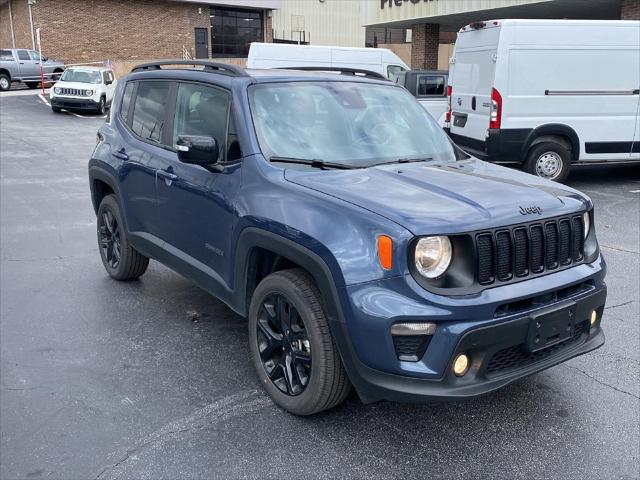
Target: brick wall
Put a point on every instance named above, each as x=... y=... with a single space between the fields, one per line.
x=425 y=40
x=97 y=30
x=630 y=9
x=268 y=27
x=21 y=25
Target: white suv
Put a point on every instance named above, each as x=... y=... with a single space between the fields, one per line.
x=83 y=88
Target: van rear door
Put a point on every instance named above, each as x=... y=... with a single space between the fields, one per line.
x=471 y=81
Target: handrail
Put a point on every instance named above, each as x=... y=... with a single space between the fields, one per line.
x=213 y=67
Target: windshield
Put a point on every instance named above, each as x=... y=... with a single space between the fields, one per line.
x=355 y=124
x=81 y=76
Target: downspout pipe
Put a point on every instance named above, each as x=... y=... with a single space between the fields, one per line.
x=33 y=39
x=13 y=34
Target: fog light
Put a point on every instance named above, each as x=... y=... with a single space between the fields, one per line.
x=461 y=365
x=594 y=318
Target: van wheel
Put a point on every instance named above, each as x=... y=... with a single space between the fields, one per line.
x=291 y=346
x=5 y=82
x=549 y=160
x=120 y=259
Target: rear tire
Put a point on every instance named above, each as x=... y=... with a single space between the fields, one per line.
x=549 y=160
x=5 y=82
x=120 y=260
x=32 y=85
x=293 y=341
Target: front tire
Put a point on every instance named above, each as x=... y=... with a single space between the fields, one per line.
x=549 y=160
x=56 y=109
x=120 y=260
x=291 y=345
x=102 y=106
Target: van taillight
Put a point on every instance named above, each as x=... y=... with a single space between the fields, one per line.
x=496 y=109
x=447 y=117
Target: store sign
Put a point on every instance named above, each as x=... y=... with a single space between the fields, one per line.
x=399 y=3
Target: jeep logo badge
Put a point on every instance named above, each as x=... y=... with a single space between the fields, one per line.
x=530 y=210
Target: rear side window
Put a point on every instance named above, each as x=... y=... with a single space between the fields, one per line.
x=6 y=55
x=23 y=55
x=429 y=86
x=126 y=102
x=149 y=110
x=201 y=111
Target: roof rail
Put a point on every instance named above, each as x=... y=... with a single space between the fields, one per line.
x=341 y=70
x=209 y=66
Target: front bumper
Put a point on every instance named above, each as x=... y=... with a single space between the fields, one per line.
x=71 y=103
x=495 y=345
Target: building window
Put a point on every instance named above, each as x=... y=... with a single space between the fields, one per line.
x=233 y=30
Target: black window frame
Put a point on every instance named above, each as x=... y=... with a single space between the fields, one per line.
x=224 y=149
x=417 y=85
x=170 y=113
x=165 y=139
x=218 y=30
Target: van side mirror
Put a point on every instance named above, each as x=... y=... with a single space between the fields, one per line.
x=197 y=150
x=108 y=82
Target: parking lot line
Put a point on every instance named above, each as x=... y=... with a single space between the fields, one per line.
x=72 y=113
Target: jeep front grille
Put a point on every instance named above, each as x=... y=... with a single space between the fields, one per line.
x=523 y=250
x=72 y=91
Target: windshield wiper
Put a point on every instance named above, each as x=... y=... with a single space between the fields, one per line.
x=313 y=162
x=404 y=160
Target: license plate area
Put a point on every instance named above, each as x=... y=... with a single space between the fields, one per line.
x=459 y=120
x=550 y=327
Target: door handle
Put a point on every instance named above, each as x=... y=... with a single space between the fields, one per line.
x=167 y=175
x=473 y=103
x=121 y=154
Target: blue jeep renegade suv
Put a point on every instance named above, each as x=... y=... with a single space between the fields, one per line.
x=363 y=246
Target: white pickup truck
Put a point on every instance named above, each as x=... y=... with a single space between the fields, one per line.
x=17 y=64
x=430 y=89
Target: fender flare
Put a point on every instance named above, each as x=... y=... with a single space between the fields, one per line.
x=552 y=129
x=312 y=262
x=100 y=173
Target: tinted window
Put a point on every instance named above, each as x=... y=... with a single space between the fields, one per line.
x=233 y=30
x=23 y=55
x=81 y=76
x=34 y=55
x=430 y=85
x=149 y=110
x=6 y=55
x=201 y=111
x=126 y=102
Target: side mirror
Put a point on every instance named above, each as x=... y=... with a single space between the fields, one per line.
x=45 y=59
x=108 y=82
x=198 y=150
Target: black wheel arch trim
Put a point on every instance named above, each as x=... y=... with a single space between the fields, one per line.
x=553 y=129
x=99 y=173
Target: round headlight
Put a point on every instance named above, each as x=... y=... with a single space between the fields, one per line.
x=586 y=220
x=433 y=256
x=57 y=91
x=89 y=93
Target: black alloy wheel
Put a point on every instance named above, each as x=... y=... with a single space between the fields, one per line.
x=283 y=344
x=109 y=238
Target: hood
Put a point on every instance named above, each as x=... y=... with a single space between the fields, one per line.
x=448 y=197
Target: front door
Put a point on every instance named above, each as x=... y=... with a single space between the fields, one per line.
x=196 y=205
x=29 y=68
x=202 y=43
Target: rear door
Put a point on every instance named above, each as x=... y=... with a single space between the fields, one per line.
x=471 y=82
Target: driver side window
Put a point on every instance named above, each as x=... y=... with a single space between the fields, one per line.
x=201 y=111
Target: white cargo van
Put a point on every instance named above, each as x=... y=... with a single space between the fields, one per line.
x=278 y=55
x=547 y=93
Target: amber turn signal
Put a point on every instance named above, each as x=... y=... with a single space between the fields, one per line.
x=385 y=252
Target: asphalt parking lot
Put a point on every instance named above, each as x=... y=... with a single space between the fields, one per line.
x=152 y=379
